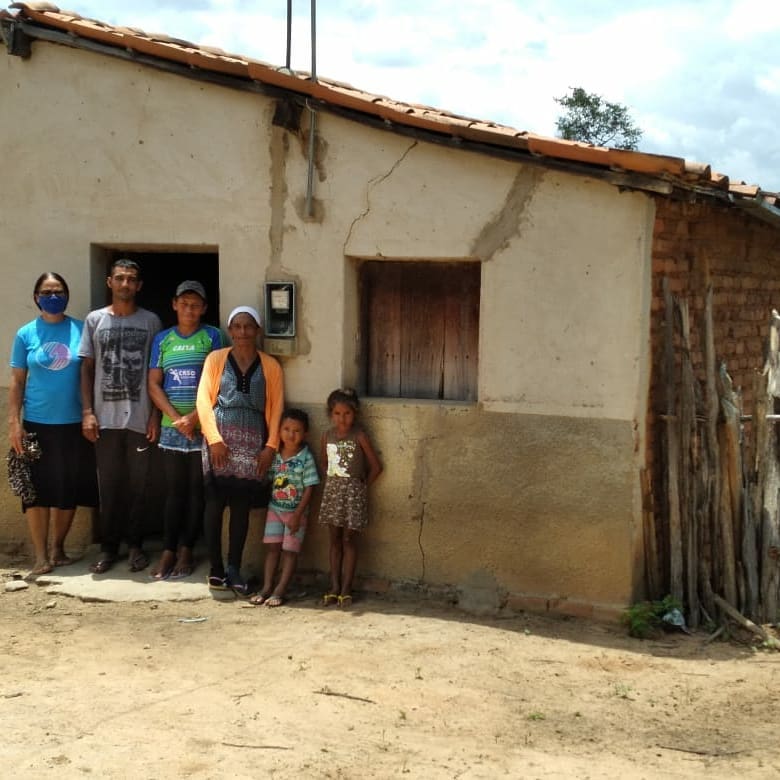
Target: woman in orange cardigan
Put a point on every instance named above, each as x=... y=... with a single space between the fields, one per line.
x=240 y=401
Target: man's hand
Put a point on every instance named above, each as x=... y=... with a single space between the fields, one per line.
x=185 y=425
x=153 y=427
x=89 y=427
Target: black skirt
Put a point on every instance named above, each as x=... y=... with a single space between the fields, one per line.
x=64 y=477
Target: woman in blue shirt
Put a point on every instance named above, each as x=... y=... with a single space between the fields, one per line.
x=44 y=399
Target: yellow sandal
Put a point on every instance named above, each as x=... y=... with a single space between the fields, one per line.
x=345 y=601
x=329 y=599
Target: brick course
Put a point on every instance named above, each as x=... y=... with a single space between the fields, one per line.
x=741 y=256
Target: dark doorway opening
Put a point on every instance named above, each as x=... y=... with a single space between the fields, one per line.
x=162 y=269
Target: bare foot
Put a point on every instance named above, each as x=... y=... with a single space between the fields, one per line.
x=184 y=564
x=162 y=570
x=60 y=558
x=42 y=567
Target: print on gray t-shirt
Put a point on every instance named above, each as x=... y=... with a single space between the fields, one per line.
x=120 y=348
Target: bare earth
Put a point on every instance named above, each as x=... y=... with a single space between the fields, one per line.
x=391 y=688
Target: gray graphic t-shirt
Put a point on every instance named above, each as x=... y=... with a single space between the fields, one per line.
x=120 y=348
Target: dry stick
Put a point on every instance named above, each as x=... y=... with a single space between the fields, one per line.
x=712 y=637
x=741 y=619
x=255 y=747
x=326 y=692
x=770 y=532
x=672 y=452
x=652 y=571
x=689 y=516
x=711 y=439
x=753 y=499
x=731 y=476
x=698 y=752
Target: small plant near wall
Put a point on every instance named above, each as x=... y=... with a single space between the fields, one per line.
x=645 y=618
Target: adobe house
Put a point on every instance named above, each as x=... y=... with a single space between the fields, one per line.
x=494 y=295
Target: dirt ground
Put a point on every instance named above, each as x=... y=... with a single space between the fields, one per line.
x=390 y=688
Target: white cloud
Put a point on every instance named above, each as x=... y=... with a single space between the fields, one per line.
x=701 y=78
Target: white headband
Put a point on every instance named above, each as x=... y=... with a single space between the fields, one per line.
x=245 y=310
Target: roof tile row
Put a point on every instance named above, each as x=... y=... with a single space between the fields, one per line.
x=406 y=114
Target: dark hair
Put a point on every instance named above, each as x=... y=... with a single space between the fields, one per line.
x=344 y=395
x=125 y=262
x=50 y=275
x=298 y=415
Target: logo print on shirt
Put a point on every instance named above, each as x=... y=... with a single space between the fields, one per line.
x=57 y=356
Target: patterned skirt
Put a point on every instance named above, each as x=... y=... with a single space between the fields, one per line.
x=239 y=476
x=344 y=503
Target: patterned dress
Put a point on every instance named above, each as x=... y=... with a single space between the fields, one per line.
x=240 y=418
x=344 y=498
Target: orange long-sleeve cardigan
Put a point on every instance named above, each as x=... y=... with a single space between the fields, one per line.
x=208 y=389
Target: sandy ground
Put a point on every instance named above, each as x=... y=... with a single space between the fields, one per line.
x=388 y=689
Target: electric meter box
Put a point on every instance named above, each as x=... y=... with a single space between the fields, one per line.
x=280 y=310
x=279 y=305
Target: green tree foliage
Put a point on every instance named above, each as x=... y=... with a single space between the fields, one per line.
x=590 y=118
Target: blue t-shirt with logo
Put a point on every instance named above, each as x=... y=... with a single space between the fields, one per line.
x=181 y=360
x=49 y=352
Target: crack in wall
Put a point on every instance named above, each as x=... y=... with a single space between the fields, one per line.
x=499 y=231
x=280 y=144
x=377 y=180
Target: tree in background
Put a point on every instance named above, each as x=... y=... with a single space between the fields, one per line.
x=594 y=120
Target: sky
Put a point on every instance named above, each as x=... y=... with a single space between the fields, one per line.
x=701 y=78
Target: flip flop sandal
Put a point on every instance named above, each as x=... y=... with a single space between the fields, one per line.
x=329 y=599
x=258 y=599
x=274 y=601
x=217 y=583
x=345 y=601
x=185 y=571
x=241 y=589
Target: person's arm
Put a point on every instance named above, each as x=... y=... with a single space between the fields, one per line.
x=184 y=423
x=324 y=455
x=15 y=399
x=295 y=521
x=374 y=466
x=89 y=422
x=208 y=388
x=274 y=405
x=153 y=425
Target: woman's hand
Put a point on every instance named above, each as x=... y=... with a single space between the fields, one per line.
x=219 y=454
x=264 y=460
x=15 y=436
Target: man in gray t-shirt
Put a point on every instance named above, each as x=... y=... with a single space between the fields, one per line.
x=117 y=413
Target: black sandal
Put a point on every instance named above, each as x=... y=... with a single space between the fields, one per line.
x=103 y=565
x=139 y=561
x=217 y=583
x=236 y=583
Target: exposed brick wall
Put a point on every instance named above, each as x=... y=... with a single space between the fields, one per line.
x=741 y=256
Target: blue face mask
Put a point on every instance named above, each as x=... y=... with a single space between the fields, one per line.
x=53 y=304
